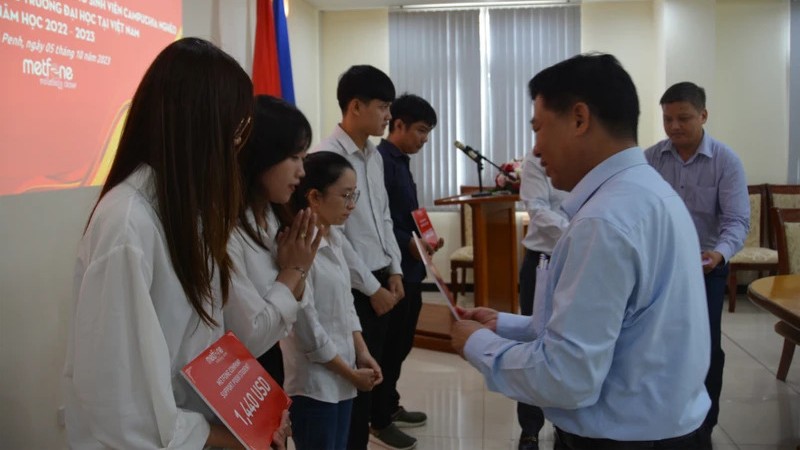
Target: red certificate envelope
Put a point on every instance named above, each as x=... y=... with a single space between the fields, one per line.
x=425 y=226
x=239 y=391
x=437 y=277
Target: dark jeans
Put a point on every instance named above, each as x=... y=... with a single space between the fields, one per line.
x=569 y=441
x=715 y=294
x=318 y=425
x=531 y=418
x=402 y=325
x=374 y=329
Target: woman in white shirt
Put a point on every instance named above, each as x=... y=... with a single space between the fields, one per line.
x=153 y=271
x=271 y=166
x=325 y=355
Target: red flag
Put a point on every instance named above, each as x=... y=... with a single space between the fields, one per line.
x=266 y=72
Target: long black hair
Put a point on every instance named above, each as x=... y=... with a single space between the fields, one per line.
x=280 y=131
x=191 y=108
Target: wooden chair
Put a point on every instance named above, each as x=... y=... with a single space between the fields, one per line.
x=784 y=196
x=786 y=226
x=755 y=255
x=463 y=258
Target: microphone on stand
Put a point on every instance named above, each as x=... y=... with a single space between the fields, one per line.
x=470 y=152
x=478 y=158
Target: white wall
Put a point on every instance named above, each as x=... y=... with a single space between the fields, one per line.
x=304 y=42
x=689 y=34
x=349 y=38
x=750 y=110
x=736 y=49
x=38 y=234
x=627 y=30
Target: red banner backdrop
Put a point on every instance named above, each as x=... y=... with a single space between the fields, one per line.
x=69 y=69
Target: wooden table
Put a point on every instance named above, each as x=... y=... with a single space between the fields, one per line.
x=780 y=295
x=433 y=328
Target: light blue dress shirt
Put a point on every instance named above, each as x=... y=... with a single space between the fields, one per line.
x=713 y=186
x=618 y=344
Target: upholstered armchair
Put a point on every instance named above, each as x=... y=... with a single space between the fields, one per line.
x=784 y=196
x=756 y=255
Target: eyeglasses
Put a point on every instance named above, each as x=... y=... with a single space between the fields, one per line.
x=351 y=198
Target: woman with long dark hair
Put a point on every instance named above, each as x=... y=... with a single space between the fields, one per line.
x=268 y=270
x=153 y=270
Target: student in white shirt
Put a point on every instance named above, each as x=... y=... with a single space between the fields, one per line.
x=153 y=271
x=365 y=95
x=271 y=167
x=325 y=355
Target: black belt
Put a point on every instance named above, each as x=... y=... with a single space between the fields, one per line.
x=575 y=442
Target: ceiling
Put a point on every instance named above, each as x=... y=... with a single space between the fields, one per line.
x=334 y=5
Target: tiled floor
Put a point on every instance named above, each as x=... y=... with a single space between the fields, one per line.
x=758 y=412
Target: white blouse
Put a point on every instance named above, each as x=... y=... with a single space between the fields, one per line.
x=253 y=285
x=133 y=330
x=324 y=329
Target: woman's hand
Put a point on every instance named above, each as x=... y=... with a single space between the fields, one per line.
x=297 y=247
x=363 y=379
x=282 y=433
x=364 y=360
x=298 y=244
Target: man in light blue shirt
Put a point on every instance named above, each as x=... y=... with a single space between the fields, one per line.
x=710 y=179
x=616 y=350
x=547 y=222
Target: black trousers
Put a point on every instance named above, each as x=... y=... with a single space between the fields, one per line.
x=272 y=362
x=716 y=283
x=530 y=417
x=691 y=441
x=375 y=330
x=400 y=338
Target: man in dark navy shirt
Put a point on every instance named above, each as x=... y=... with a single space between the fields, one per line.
x=413 y=118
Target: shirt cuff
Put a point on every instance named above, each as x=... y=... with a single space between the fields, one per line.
x=355 y=324
x=477 y=342
x=282 y=298
x=726 y=251
x=371 y=286
x=323 y=354
x=395 y=269
x=191 y=430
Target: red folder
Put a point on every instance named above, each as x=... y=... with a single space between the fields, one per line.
x=239 y=391
x=425 y=226
x=437 y=277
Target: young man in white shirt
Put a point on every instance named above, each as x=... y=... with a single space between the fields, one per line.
x=365 y=94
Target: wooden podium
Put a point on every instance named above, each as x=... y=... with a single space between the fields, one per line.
x=495 y=270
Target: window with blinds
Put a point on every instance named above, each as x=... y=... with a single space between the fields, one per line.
x=473 y=66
